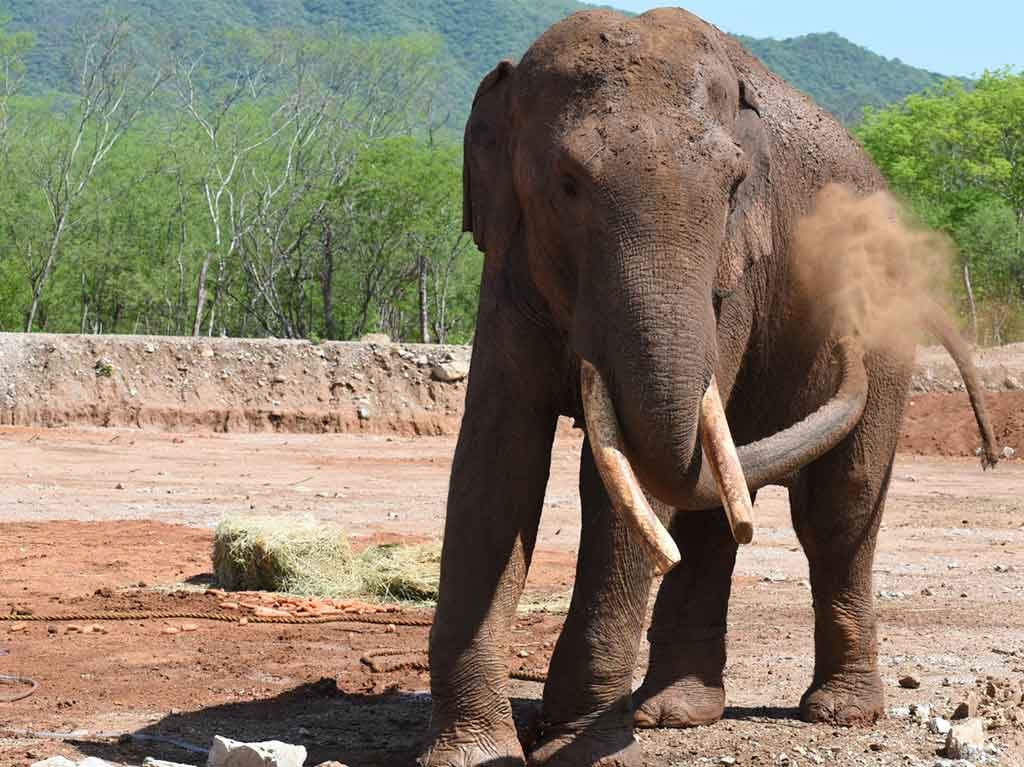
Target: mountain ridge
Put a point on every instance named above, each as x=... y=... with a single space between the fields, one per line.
x=840 y=75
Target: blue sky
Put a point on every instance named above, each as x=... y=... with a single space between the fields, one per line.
x=954 y=38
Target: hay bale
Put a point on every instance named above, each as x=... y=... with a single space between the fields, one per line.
x=285 y=555
x=311 y=558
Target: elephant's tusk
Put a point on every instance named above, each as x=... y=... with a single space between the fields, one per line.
x=720 y=452
x=623 y=489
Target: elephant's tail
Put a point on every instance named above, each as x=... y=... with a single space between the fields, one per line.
x=938 y=322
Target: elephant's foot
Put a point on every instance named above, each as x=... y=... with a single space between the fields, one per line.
x=587 y=748
x=849 y=699
x=472 y=749
x=683 y=687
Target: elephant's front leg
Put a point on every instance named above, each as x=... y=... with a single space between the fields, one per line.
x=837 y=504
x=683 y=686
x=588 y=716
x=495 y=498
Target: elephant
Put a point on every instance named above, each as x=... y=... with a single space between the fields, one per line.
x=635 y=184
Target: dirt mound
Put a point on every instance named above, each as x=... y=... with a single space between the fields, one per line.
x=230 y=385
x=943 y=424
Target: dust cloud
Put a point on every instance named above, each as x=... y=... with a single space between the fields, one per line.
x=865 y=264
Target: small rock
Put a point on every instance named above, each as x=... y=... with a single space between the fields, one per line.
x=909 y=683
x=939 y=726
x=364 y=412
x=151 y=762
x=1012 y=383
x=450 y=372
x=170 y=630
x=727 y=760
x=1004 y=568
x=968 y=709
x=271 y=612
x=272 y=753
x=54 y=761
x=149 y=348
x=899 y=712
x=966 y=740
x=1008 y=453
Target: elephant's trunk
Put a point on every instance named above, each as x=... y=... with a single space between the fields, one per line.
x=727 y=475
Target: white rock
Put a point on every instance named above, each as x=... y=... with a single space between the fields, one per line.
x=54 y=761
x=151 y=762
x=450 y=372
x=966 y=740
x=272 y=753
x=920 y=711
x=939 y=726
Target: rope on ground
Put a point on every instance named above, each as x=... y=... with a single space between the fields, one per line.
x=32 y=685
x=383 y=619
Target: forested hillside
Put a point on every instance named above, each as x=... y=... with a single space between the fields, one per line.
x=842 y=77
x=293 y=168
x=476 y=34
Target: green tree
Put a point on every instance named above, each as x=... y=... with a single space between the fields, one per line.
x=957 y=155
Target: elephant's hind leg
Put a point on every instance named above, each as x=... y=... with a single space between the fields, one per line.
x=587 y=719
x=683 y=686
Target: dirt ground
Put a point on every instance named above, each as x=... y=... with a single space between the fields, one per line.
x=105 y=519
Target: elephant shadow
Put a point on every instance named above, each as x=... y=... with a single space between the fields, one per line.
x=356 y=729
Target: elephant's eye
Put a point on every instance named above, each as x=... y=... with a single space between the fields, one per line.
x=569 y=186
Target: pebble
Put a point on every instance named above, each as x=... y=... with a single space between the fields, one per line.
x=271 y=612
x=939 y=726
x=909 y=682
x=968 y=708
x=727 y=760
x=966 y=740
x=170 y=630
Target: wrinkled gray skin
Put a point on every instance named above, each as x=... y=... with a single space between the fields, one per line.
x=635 y=186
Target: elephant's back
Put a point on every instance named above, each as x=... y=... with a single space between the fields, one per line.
x=811 y=148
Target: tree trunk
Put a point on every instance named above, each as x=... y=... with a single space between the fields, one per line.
x=424 y=307
x=197 y=326
x=327 y=281
x=970 y=302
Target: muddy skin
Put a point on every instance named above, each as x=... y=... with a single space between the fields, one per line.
x=635 y=184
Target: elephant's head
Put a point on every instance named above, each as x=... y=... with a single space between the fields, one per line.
x=626 y=164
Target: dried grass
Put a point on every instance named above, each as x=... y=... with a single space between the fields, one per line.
x=311 y=558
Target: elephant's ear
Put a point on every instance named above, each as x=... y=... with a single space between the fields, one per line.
x=490 y=209
x=749 y=226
